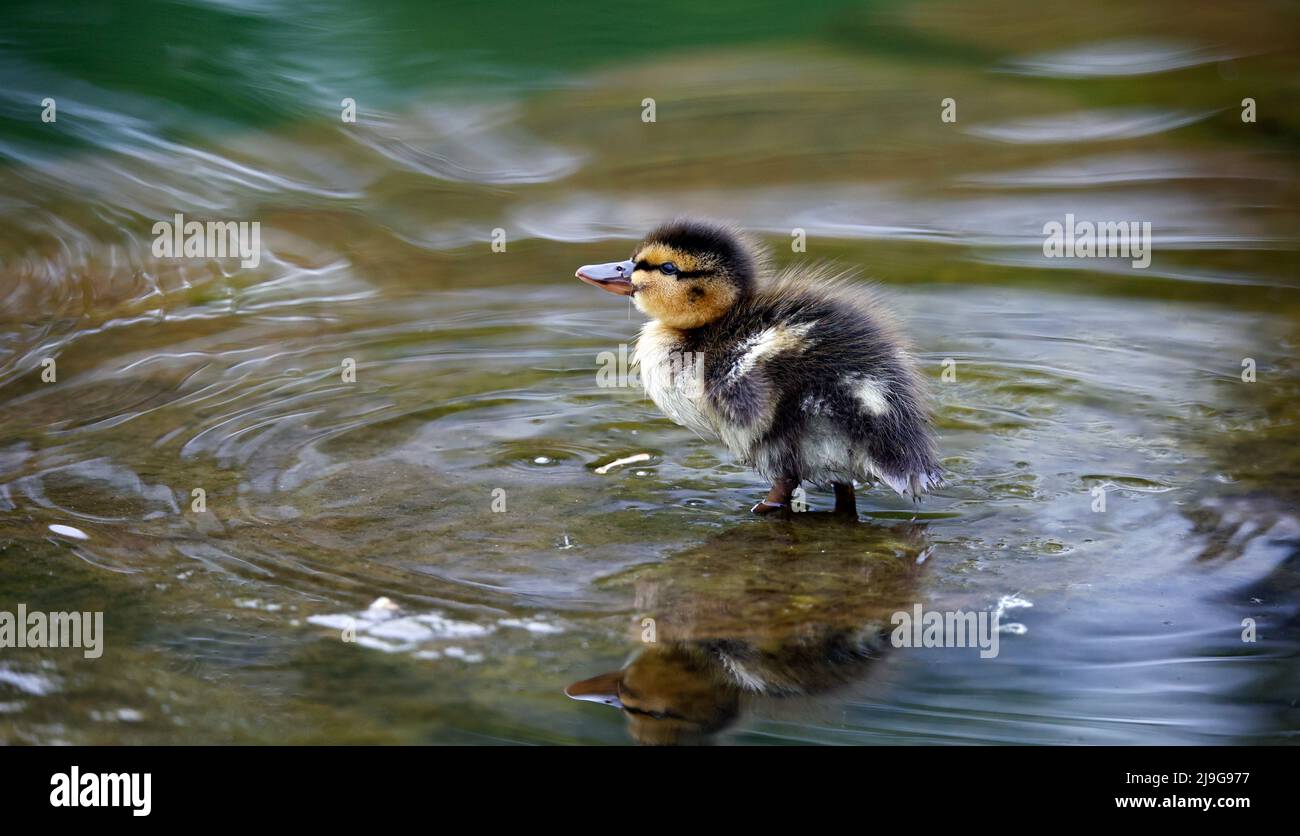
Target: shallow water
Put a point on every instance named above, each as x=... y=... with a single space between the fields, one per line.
x=446 y=508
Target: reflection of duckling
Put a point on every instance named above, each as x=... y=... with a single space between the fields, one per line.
x=798 y=374
x=684 y=692
x=805 y=613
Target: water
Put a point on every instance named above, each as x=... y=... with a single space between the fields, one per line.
x=446 y=509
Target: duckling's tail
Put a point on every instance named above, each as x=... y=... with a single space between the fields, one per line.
x=915 y=484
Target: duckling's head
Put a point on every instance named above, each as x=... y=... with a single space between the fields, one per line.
x=685 y=273
x=671 y=693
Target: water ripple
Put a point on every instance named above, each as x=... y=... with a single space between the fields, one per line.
x=1088 y=126
x=1121 y=57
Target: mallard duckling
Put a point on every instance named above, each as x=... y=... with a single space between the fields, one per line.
x=799 y=374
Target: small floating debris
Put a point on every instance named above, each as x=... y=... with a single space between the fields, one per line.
x=69 y=531
x=566 y=544
x=542 y=460
x=639 y=457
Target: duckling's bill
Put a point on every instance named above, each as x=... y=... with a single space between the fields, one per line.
x=601 y=689
x=615 y=276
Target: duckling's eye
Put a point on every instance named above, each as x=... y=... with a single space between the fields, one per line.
x=668 y=268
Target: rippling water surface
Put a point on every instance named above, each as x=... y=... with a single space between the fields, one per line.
x=451 y=509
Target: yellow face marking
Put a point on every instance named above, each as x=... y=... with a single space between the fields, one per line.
x=680 y=303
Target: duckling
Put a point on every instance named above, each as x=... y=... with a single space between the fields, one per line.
x=799 y=373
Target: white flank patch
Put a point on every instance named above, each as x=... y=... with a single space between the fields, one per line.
x=755 y=348
x=870 y=393
x=767 y=342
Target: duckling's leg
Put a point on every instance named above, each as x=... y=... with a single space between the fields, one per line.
x=845 y=500
x=778 y=499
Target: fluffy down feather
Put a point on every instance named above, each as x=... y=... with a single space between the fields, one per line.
x=804 y=378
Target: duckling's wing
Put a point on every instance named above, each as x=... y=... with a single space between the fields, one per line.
x=879 y=397
x=742 y=389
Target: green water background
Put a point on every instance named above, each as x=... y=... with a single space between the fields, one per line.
x=477 y=370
